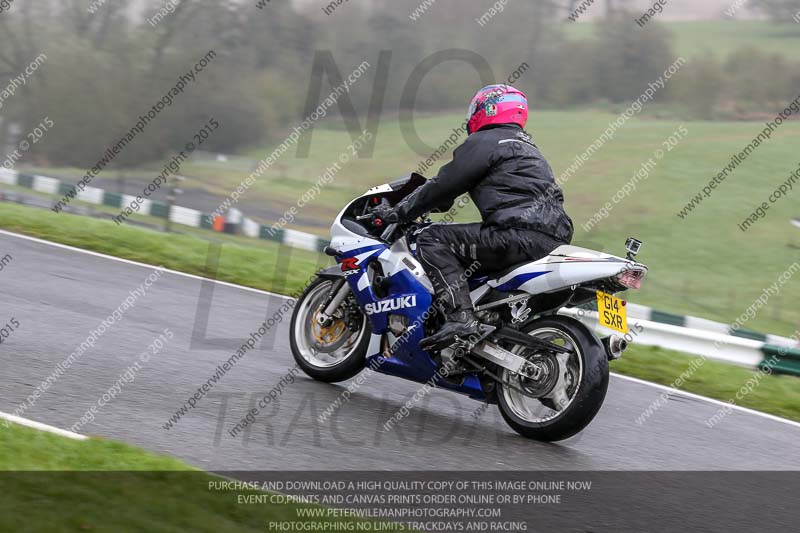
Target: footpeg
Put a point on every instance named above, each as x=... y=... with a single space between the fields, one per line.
x=466 y=345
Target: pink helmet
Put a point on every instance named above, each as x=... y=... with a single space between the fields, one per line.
x=497 y=104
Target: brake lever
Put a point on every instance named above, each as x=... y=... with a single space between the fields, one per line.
x=389 y=232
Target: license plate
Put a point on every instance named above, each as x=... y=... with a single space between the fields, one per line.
x=612 y=312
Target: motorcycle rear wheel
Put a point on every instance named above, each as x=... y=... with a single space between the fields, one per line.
x=574 y=389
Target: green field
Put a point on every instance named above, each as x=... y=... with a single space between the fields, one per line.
x=719 y=38
x=703 y=265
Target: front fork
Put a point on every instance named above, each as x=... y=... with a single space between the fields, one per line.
x=336 y=296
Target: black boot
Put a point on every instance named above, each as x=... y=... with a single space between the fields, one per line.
x=461 y=324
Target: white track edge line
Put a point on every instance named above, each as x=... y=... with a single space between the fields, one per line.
x=41 y=427
x=137 y=263
x=259 y=291
x=711 y=400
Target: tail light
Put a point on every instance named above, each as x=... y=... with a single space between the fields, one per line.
x=632 y=278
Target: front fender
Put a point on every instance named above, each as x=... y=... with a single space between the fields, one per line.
x=332 y=273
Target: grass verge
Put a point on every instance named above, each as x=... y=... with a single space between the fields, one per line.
x=52 y=484
x=774 y=394
x=264 y=265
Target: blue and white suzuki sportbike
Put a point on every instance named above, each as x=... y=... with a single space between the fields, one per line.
x=547 y=373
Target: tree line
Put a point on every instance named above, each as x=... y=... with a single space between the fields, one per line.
x=106 y=67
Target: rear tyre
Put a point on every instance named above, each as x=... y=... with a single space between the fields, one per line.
x=570 y=394
x=334 y=353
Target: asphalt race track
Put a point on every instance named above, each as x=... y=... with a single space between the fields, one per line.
x=58 y=295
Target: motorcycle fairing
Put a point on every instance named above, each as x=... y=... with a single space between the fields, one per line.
x=407 y=280
x=564 y=267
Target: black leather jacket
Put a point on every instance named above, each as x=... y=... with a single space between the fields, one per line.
x=508 y=179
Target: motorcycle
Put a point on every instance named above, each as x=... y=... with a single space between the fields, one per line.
x=547 y=372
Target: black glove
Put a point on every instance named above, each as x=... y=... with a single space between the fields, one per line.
x=387 y=214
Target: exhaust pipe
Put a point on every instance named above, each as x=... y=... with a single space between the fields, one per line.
x=614 y=345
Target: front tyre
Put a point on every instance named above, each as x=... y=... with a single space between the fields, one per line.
x=333 y=353
x=571 y=391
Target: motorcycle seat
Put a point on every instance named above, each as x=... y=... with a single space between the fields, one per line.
x=556 y=255
x=497 y=274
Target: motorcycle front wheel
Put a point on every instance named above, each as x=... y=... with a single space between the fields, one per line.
x=333 y=353
x=566 y=398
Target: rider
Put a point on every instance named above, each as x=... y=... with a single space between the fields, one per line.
x=515 y=191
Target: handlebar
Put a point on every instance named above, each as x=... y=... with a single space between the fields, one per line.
x=390 y=230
